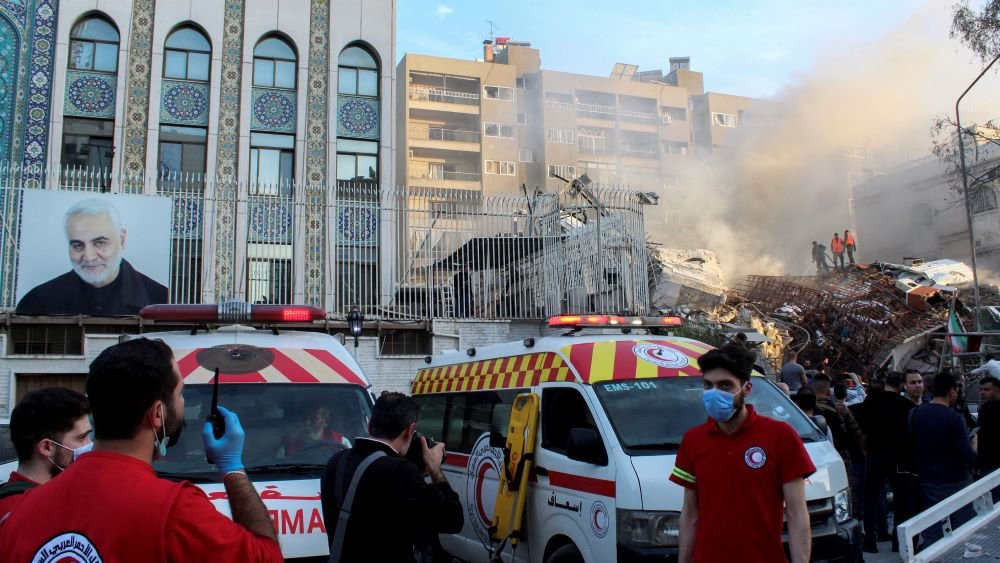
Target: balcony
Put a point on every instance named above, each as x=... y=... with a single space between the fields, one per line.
x=447 y=100
x=596 y=111
x=437 y=177
x=438 y=137
x=640 y=116
x=639 y=152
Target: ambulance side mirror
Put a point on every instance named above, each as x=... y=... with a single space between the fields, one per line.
x=585 y=445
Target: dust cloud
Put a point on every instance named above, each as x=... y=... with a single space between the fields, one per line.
x=786 y=180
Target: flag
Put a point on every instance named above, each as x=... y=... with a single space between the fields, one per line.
x=959 y=344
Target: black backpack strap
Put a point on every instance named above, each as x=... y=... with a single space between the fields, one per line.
x=337 y=545
x=10 y=489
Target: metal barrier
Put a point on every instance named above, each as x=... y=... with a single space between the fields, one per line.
x=395 y=253
x=978 y=494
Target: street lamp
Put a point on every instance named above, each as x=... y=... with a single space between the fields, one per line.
x=965 y=192
x=355 y=321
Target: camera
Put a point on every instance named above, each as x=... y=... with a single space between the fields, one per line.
x=416 y=453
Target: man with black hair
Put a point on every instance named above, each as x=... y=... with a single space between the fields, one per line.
x=819 y=257
x=913 y=387
x=846 y=434
x=111 y=506
x=50 y=429
x=739 y=462
x=944 y=452
x=391 y=493
x=989 y=425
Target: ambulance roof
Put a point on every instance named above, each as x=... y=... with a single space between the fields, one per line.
x=247 y=355
x=583 y=358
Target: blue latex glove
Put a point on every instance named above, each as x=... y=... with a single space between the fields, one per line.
x=227 y=451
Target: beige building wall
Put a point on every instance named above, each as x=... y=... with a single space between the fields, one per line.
x=717 y=117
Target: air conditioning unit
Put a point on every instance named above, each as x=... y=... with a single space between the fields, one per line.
x=667 y=120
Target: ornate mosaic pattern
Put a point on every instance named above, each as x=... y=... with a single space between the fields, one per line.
x=184 y=103
x=357 y=117
x=316 y=151
x=357 y=224
x=186 y=222
x=140 y=54
x=273 y=110
x=41 y=54
x=10 y=43
x=269 y=221
x=228 y=147
x=90 y=94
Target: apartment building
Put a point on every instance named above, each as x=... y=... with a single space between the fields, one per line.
x=502 y=122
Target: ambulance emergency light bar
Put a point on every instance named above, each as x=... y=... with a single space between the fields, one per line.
x=233 y=312
x=612 y=321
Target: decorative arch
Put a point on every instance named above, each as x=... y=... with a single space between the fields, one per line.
x=358 y=114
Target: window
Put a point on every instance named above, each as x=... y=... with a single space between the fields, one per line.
x=357 y=73
x=274 y=63
x=272 y=169
x=525 y=155
x=675 y=147
x=88 y=143
x=46 y=340
x=182 y=154
x=522 y=118
x=563 y=136
x=357 y=161
x=563 y=409
x=498 y=130
x=519 y=82
x=502 y=93
x=984 y=199
x=723 y=119
x=460 y=419
x=93 y=45
x=501 y=167
x=405 y=343
x=673 y=113
x=187 y=55
x=562 y=170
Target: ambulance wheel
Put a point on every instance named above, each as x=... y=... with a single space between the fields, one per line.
x=565 y=554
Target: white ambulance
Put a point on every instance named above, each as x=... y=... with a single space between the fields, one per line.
x=614 y=406
x=300 y=397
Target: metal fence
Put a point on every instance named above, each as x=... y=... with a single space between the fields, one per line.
x=395 y=253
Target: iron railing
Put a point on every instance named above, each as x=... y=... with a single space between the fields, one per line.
x=431 y=94
x=396 y=253
x=422 y=131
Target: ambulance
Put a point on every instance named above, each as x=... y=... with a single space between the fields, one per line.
x=613 y=408
x=300 y=397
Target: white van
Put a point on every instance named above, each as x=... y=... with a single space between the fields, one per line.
x=599 y=494
x=300 y=397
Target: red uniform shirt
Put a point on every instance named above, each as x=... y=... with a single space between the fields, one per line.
x=739 y=478
x=114 y=508
x=8 y=502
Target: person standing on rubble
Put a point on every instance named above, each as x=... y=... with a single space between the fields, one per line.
x=837 y=247
x=819 y=257
x=851 y=244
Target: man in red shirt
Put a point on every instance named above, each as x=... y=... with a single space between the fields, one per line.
x=740 y=463
x=110 y=506
x=50 y=429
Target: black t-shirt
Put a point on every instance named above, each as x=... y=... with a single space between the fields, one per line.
x=989 y=437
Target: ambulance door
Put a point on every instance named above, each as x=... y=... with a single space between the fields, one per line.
x=575 y=493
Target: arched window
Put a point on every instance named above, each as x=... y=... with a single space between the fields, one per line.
x=358 y=116
x=93 y=45
x=274 y=64
x=187 y=55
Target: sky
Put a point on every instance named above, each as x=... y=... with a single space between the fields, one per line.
x=750 y=47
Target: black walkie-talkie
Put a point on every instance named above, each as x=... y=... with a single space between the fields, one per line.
x=218 y=423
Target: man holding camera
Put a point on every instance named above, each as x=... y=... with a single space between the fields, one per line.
x=377 y=504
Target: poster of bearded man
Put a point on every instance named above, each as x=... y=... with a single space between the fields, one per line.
x=117 y=246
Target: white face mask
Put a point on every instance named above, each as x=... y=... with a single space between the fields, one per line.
x=77 y=452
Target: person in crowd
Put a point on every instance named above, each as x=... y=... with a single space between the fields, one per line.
x=989 y=425
x=805 y=399
x=792 y=372
x=944 y=451
x=913 y=387
x=110 y=506
x=837 y=247
x=784 y=388
x=850 y=244
x=760 y=484
x=851 y=439
x=856 y=468
x=316 y=432
x=50 y=429
x=391 y=492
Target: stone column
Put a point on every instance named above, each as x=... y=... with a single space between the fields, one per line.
x=316 y=185
x=136 y=126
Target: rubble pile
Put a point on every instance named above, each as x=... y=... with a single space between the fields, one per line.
x=685 y=278
x=855 y=318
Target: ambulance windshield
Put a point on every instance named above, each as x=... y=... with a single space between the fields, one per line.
x=291 y=429
x=652 y=415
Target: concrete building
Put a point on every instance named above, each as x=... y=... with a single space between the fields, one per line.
x=502 y=122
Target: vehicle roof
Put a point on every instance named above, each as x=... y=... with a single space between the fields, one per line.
x=248 y=355
x=589 y=358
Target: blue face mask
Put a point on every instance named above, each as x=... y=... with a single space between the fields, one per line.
x=719 y=404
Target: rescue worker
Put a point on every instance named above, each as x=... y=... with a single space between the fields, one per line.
x=391 y=492
x=819 y=257
x=851 y=244
x=50 y=429
x=837 y=247
x=110 y=505
x=739 y=462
